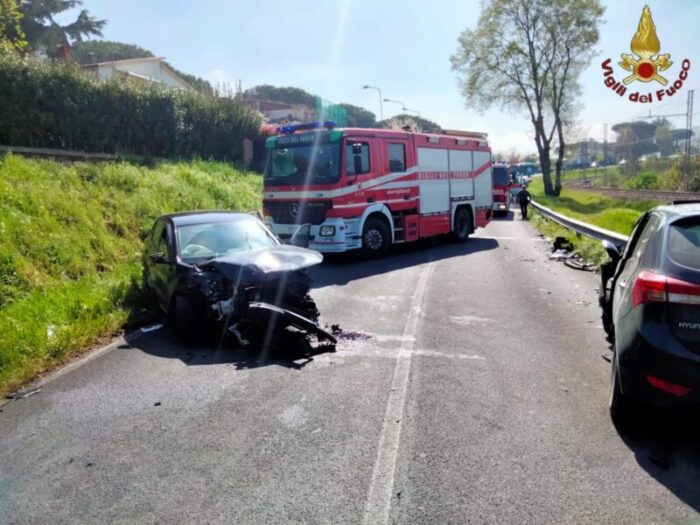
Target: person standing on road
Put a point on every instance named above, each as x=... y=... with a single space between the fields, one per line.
x=524 y=199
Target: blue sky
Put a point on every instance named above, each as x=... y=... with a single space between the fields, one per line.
x=333 y=47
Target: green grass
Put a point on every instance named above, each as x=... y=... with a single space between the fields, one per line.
x=71 y=237
x=617 y=215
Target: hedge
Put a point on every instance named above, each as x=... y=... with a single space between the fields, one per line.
x=57 y=105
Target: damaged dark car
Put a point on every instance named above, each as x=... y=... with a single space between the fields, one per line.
x=227 y=270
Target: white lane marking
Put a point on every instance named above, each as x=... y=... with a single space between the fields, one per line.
x=382 y=484
x=468 y=319
x=389 y=338
x=435 y=353
x=364 y=351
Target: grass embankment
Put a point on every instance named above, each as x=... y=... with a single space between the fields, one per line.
x=71 y=237
x=617 y=215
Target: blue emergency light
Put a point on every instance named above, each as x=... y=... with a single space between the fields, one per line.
x=289 y=130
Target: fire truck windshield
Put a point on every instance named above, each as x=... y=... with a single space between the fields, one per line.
x=302 y=165
x=500 y=176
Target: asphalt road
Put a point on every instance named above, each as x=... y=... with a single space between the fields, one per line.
x=468 y=387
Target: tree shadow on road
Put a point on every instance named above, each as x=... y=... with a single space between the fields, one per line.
x=292 y=350
x=667 y=447
x=344 y=268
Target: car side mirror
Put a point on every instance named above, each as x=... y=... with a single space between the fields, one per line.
x=357 y=164
x=613 y=251
x=158 y=258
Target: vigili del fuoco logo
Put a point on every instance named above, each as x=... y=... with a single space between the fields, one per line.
x=645 y=64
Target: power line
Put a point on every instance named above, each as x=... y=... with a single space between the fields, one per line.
x=688 y=126
x=666 y=106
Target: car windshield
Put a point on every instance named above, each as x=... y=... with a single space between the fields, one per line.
x=200 y=242
x=500 y=176
x=684 y=243
x=303 y=164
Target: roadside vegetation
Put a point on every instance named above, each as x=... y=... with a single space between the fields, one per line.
x=56 y=105
x=664 y=174
x=617 y=215
x=71 y=237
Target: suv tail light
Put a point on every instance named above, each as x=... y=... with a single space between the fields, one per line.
x=682 y=292
x=653 y=287
x=667 y=386
x=648 y=288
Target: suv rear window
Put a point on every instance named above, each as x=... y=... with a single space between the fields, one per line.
x=684 y=242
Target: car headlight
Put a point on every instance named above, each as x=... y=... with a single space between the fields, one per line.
x=327 y=231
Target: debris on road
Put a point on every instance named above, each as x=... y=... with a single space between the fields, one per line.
x=152 y=328
x=578 y=264
x=563 y=250
x=353 y=336
x=23 y=394
x=559 y=255
x=562 y=243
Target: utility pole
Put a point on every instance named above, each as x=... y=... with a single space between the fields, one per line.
x=689 y=127
x=381 y=110
x=605 y=143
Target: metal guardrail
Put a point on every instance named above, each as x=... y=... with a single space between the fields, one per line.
x=582 y=227
x=56 y=153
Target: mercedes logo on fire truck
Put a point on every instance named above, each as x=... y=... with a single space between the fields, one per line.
x=294 y=209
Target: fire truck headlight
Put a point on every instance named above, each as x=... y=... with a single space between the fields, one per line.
x=327 y=231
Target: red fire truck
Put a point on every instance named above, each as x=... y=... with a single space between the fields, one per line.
x=370 y=188
x=501 y=189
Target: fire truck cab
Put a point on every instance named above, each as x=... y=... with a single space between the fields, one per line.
x=370 y=188
x=501 y=189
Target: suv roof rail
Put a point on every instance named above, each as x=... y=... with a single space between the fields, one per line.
x=687 y=201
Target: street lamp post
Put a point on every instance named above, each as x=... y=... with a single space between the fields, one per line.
x=381 y=110
x=403 y=106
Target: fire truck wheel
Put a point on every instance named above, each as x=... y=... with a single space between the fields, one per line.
x=463 y=225
x=375 y=237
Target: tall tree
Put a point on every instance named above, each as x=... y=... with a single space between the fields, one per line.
x=423 y=124
x=287 y=95
x=12 y=37
x=45 y=34
x=106 y=51
x=359 y=117
x=663 y=137
x=634 y=139
x=528 y=54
